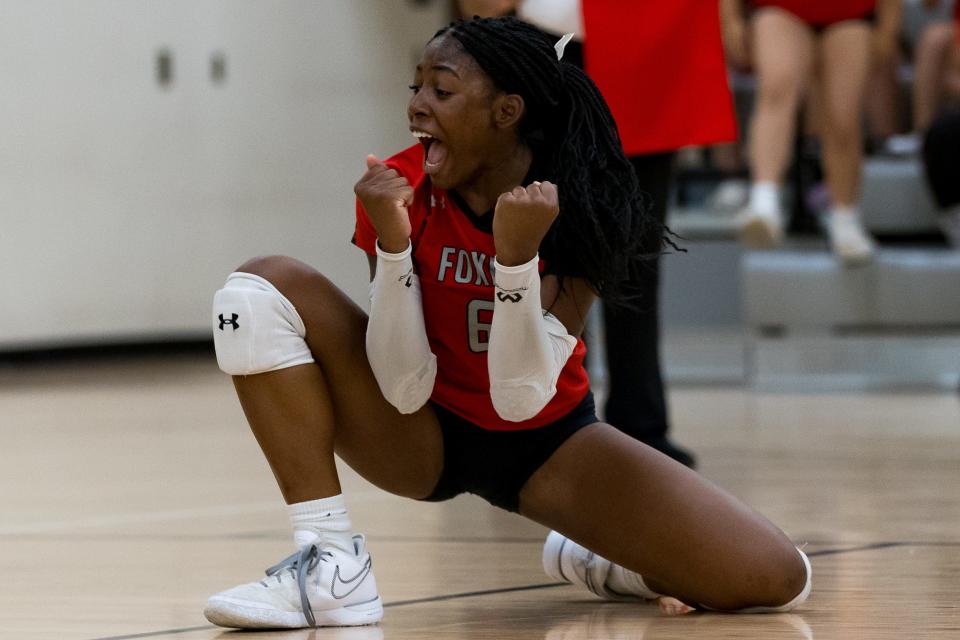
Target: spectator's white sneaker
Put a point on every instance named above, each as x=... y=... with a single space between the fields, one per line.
x=729 y=196
x=760 y=230
x=849 y=241
x=907 y=144
x=564 y=559
x=314 y=587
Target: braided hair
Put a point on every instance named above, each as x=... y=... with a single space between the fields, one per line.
x=604 y=232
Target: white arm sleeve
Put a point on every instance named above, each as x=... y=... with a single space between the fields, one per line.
x=528 y=346
x=397 y=345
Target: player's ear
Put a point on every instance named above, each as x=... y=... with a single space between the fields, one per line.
x=508 y=109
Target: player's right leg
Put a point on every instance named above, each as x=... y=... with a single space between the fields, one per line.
x=295 y=345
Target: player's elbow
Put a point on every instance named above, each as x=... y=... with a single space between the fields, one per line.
x=410 y=391
x=519 y=401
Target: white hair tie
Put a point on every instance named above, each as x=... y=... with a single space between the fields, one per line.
x=562 y=44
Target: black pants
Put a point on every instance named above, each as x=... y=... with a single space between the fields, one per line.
x=635 y=402
x=941 y=155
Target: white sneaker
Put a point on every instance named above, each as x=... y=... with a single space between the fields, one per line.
x=907 y=144
x=314 y=587
x=564 y=559
x=849 y=241
x=760 y=230
x=729 y=196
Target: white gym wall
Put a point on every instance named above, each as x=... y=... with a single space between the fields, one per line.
x=124 y=202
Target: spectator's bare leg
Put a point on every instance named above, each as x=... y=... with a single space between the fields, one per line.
x=845 y=59
x=783 y=55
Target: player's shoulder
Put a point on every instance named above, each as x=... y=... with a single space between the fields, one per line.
x=409 y=163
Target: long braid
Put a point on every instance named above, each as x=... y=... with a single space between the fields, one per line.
x=604 y=232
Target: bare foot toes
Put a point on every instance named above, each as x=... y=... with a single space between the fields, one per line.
x=673 y=607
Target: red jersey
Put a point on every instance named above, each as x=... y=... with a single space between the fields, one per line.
x=454 y=258
x=820 y=13
x=660 y=67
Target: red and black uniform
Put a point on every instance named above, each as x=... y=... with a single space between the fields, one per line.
x=453 y=254
x=823 y=13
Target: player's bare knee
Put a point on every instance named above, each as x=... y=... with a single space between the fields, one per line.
x=796 y=580
x=281 y=271
x=788 y=584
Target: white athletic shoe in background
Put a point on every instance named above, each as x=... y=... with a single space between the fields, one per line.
x=903 y=144
x=729 y=196
x=849 y=241
x=760 y=229
x=564 y=559
x=314 y=587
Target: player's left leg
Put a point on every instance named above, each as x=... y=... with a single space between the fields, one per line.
x=687 y=538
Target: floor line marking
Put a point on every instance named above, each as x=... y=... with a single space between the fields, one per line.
x=471 y=594
x=171 y=632
x=529 y=587
x=863 y=547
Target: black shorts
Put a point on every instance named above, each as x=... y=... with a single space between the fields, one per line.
x=496 y=464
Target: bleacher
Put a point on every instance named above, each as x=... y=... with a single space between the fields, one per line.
x=796 y=312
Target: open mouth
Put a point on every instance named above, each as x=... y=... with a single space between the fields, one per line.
x=436 y=151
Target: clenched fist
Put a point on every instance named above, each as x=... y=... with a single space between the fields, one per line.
x=521 y=219
x=385 y=195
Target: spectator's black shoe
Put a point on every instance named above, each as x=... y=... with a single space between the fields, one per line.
x=663 y=445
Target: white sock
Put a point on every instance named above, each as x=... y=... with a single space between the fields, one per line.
x=765 y=198
x=324 y=520
x=626 y=582
x=845 y=210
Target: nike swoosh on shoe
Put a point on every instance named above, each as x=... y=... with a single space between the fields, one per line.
x=358 y=579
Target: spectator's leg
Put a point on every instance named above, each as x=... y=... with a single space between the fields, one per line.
x=845 y=63
x=783 y=55
x=845 y=56
x=929 y=70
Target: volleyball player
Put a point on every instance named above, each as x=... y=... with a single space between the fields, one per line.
x=488 y=241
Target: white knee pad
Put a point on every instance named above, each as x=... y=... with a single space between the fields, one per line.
x=255 y=328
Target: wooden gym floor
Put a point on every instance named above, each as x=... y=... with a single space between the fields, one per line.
x=132 y=490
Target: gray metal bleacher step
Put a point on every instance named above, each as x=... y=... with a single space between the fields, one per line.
x=895 y=197
x=807 y=289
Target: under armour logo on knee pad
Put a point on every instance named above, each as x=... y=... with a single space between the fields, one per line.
x=232 y=321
